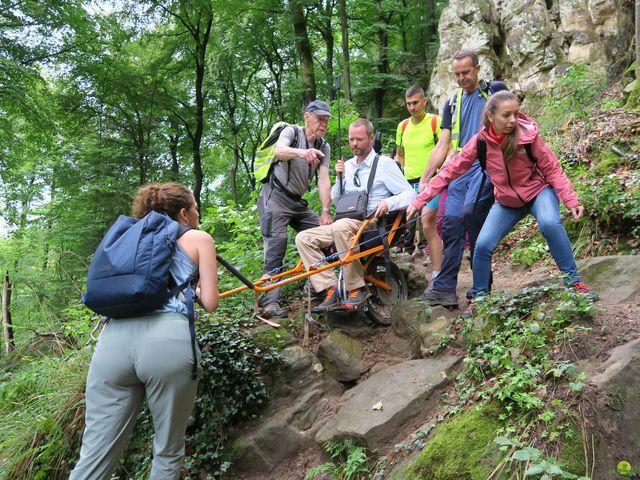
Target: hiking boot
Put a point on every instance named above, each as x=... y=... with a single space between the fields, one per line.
x=473 y=304
x=273 y=310
x=582 y=287
x=356 y=297
x=468 y=312
x=331 y=300
x=438 y=297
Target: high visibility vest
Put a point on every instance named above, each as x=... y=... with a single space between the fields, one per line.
x=455 y=104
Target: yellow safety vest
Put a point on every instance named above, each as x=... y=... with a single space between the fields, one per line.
x=456 y=110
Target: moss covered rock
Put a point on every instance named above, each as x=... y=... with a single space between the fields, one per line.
x=462 y=448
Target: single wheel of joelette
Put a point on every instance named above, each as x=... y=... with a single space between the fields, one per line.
x=379 y=304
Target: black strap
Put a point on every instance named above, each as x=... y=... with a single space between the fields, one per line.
x=189 y=296
x=387 y=258
x=529 y=149
x=297 y=198
x=481 y=147
x=372 y=174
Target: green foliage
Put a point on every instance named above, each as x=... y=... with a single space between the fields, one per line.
x=538 y=466
x=510 y=343
x=571 y=97
x=534 y=248
x=231 y=389
x=350 y=462
x=612 y=212
x=41 y=404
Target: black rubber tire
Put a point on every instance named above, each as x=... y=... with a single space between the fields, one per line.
x=379 y=304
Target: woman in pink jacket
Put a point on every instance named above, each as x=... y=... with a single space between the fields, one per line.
x=521 y=186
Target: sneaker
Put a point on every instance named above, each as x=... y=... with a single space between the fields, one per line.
x=582 y=287
x=331 y=300
x=356 y=297
x=273 y=310
x=468 y=312
x=438 y=297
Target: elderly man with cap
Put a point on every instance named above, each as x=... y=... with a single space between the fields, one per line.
x=301 y=154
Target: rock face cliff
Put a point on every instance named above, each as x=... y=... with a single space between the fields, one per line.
x=527 y=43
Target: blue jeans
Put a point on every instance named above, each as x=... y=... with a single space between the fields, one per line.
x=462 y=217
x=546 y=210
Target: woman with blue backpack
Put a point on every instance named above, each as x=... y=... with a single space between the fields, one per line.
x=527 y=179
x=151 y=355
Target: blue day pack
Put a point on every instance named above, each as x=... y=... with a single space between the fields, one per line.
x=129 y=274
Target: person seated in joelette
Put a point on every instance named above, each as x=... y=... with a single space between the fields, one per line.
x=390 y=191
x=522 y=185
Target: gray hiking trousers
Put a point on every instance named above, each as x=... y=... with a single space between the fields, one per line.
x=277 y=211
x=135 y=358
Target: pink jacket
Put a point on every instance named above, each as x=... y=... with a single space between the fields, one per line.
x=514 y=184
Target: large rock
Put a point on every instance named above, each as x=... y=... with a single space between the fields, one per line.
x=303 y=400
x=617 y=417
x=375 y=410
x=341 y=356
x=416 y=281
x=528 y=43
x=434 y=334
x=616 y=279
x=408 y=315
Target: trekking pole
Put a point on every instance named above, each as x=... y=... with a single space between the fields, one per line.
x=337 y=85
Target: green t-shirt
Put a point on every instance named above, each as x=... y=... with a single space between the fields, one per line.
x=418 y=143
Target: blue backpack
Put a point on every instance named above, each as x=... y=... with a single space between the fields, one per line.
x=129 y=274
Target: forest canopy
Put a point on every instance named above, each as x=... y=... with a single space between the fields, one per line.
x=97 y=98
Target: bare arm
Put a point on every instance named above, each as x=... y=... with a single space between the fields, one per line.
x=438 y=156
x=324 y=189
x=201 y=249
x=399 y=158
x=311 y=155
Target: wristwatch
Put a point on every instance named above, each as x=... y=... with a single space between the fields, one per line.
x=326 y=209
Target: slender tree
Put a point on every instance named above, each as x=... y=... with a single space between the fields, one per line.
x=305 y=54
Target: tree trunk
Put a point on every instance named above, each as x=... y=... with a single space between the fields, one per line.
x=432 y=24
x=638 y=40
x=303 y=46
x=173 y=151
x=346 y=71
x=6 y=315
x=329 y=40
x=383 y=60
x=197 y=24
x=234 y=166
x=201 y=49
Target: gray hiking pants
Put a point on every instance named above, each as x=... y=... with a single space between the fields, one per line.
x=135 y=358
x=276 y=211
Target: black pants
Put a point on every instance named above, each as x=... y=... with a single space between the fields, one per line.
x=277 y=211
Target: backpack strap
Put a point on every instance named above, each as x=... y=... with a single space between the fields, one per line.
x=403 y=127
x=481 y=148
x=434 y=128
x=296 y=137
x=189 y=295
x=372 y=174
x=529 y=149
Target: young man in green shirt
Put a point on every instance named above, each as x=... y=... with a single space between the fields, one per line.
x=416 y=138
